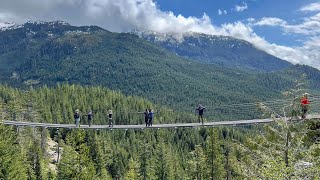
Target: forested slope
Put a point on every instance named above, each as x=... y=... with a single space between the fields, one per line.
x=57 y=105
x=51 y=53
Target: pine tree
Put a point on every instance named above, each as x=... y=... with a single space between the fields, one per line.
x=11 y=157
x=97 y=154
x=76 y=162
x=198 y=164
x=215 y=156
x=133 y=173
x=147 y=158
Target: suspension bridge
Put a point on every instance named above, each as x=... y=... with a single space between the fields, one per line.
x=155 y=126
x=280 y=108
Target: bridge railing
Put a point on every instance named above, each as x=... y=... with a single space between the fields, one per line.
x=226 y=112
x=246 y=111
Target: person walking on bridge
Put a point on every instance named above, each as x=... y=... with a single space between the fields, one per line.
x=77 y=118
x=151 y=114
x=90 y=117
x=146 y=117
x=110 y=118
x=200 y=110
x=304 y=105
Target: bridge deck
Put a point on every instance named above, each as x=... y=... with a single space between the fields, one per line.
x=142 y=126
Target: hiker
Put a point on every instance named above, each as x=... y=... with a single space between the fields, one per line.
x=200 y=109
x=110 y=118
x=77 y=118
x=90 y=116
x=304 y=105
x=150 y=114
x=146 y=117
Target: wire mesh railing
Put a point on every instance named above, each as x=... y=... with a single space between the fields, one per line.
x=246 y=111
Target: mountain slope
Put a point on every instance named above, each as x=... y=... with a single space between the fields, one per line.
x=50 y=53
x=223 y=50
x=312 y=75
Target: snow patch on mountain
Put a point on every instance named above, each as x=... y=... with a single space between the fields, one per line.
x=7 y=26
x=4 y=26
x=48 y=23
x=178 y=38
x=77 y=32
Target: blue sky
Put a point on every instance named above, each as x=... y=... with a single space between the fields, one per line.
x=288 y=29
x=283 y=9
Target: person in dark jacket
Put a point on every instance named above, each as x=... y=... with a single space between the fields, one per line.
x=77 y=118
x=151 y=114
x=200 y=110
x=110 y=118
x=146 y=117
x=90 y=117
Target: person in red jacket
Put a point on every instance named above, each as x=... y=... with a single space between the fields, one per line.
x=304 y=105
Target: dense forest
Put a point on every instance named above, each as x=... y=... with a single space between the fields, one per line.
x=249 y=152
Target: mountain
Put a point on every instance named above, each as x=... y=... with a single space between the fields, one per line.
x=222 y=50
x=311 y=73
x=47 y=53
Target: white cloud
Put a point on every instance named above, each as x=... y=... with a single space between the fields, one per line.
x=313 y=18
x=221 y=12
x=311 y=7
x=311 y=51
x=124 y=15
x=270 y=21
x=251 y=20
x=306 y=28
x=240 y=8
x=307 y=54
x=114 y=15
x=9 y=17
x=309 y=26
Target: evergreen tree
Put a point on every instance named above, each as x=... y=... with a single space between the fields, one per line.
x=76 y=162
x=215 y=156
x=11 y=158
x=198 y=164
x=133 y=173
x=147 y=156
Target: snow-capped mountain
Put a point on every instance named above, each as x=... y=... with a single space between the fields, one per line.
x=49 y=29
x=222 y=50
